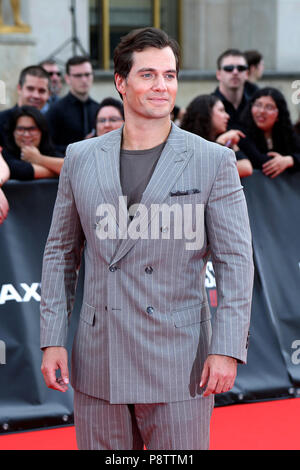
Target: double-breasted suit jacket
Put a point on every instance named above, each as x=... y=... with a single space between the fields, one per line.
x=145 y=328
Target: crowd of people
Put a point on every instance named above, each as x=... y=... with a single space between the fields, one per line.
x=253 y=121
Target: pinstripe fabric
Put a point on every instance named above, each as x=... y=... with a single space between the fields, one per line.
x=160 y=426
x=123 y=352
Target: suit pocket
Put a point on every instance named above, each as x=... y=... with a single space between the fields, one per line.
x=191 y=315
x=87 y=314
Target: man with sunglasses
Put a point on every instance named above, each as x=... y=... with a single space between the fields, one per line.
x=56 y=83
x=73 y=117
x=232 y=73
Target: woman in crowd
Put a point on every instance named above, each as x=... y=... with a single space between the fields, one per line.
x=4 y=176
x=206 y=117
x=110 y=116
x=27 y=134
x=271 y=142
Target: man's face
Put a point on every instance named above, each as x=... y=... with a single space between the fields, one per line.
x=149 y=91
x=232 y=79
x=34 y=92
x=55 y=76
x=80 y=79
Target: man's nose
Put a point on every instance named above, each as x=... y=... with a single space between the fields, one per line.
x=36 y=94
x=160 y=83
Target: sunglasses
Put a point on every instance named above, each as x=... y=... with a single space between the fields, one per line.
x=54 y=73
x=239 y=68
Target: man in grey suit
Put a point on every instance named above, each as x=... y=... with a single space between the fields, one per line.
x=148 y=204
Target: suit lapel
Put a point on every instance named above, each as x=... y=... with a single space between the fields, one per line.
x=171 y=164
x=108 y=172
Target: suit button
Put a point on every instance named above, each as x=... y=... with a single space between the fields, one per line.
x=150 y=310
x=164 y=229
x=113 y=269
x=149 y=270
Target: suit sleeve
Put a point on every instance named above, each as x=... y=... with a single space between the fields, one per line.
x=229 y=237
x=61 y=263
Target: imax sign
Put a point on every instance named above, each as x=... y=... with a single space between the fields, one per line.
x=23 y=294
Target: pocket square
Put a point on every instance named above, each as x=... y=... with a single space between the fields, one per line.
x=184 y=193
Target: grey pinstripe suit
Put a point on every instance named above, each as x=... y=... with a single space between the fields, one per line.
x=124 y=351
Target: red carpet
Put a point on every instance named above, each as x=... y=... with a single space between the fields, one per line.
x=270 y=425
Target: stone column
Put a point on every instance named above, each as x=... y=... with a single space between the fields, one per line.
x=17 y=51
x=212 y=26
x=17 y=48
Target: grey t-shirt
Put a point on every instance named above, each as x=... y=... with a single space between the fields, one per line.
x=136 y=169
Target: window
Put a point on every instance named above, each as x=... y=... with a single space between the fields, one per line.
x=112 y=19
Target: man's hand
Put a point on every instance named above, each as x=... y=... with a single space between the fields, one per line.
x=55 y=358
x=219 y=373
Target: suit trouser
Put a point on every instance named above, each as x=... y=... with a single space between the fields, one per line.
x=161 y=426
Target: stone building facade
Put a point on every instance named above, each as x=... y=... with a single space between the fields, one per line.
x=204 y=29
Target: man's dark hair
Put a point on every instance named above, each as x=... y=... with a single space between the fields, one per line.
x=229 y=52
x=77 y=60
x=138 y=40
x=34 y=71
x=253 y=57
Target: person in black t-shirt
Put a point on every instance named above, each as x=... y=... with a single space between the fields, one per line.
x=33 y=90
x=232 y=73
x=73 y=117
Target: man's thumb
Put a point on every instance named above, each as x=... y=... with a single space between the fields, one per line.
x=64 y=373
x=205 y=375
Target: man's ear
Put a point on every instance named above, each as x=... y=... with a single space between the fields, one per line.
x=218 y=74
x=19 y=92
x=120 y=83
